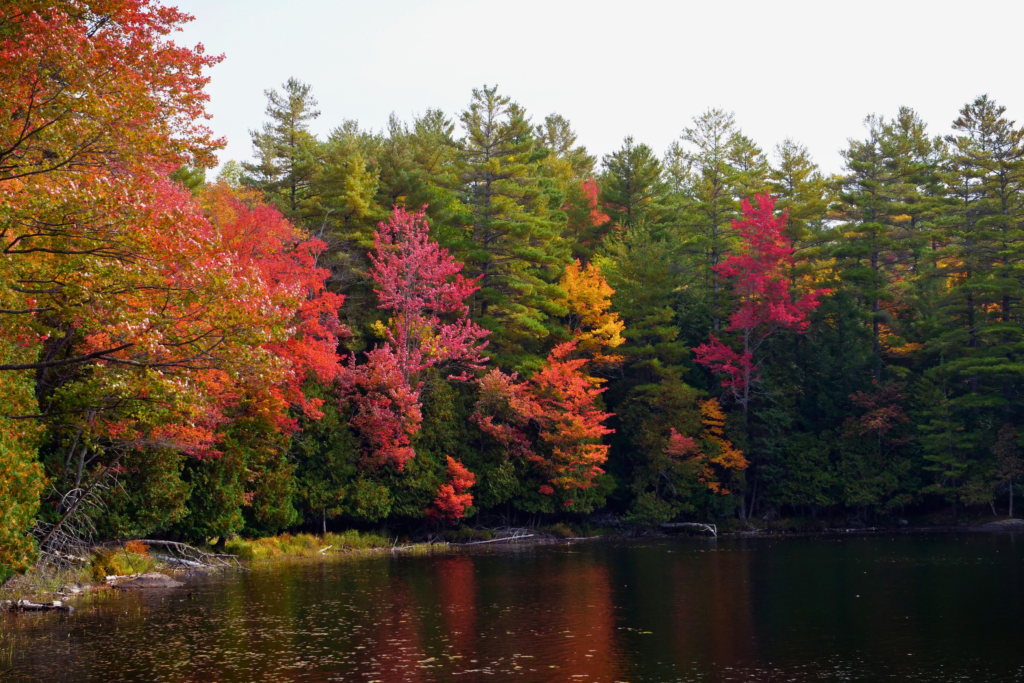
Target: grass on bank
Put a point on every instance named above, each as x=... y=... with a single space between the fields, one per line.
x=303 y=545
x=134 y=558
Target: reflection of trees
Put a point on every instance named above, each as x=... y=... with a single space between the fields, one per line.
x=587 y=603
x=695 y=604
x=455 y=580
x=397 y=646
x=551 y=610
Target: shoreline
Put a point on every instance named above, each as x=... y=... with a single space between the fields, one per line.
x=65 y=598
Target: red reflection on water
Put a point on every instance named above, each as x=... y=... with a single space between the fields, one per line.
x=562 y=626
x=455 y=580
x=588 y=603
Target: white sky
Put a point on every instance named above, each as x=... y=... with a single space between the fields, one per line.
x=807 y=70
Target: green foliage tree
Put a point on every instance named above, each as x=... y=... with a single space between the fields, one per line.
x=286 y=150
x=512 y=232
x=884 y=202
x=630 y=185
x=326 y=455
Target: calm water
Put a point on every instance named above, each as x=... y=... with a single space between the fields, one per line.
x=916 y=607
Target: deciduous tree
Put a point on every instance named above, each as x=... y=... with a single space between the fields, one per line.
x=759 y=273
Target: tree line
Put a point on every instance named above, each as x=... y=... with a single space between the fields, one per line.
x=468 y=315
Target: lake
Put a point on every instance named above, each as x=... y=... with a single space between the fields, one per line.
x=906 y=607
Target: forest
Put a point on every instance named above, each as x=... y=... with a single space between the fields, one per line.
x=467 y=318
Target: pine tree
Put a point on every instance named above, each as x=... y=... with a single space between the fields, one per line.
x=803 y=193
x=884 y=201
x=558 y=137
x=982 y=254
x=286 y=150
x=512 y=237
x=751 y=165
x=630 y=185
x=711 y=187
x=345 y=184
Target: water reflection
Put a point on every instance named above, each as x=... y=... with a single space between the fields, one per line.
x=929 y=608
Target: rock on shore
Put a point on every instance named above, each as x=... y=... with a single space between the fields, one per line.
x=149 y=581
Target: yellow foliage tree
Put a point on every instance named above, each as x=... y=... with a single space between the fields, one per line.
x=592 y=324
x=711 y=416
x=717 y=457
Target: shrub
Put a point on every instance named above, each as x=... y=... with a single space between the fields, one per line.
x=560 y=530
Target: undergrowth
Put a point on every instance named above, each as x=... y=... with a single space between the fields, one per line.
x=302 y=545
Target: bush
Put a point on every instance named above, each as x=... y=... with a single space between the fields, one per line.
x=560 y=530
x=467 y=535
x=132 y=558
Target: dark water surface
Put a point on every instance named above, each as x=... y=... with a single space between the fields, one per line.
x=901 y=608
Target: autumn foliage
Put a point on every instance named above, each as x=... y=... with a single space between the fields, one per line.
x=760 y=275
x=589 y=300
x=559 y=403
x=419 y=283
x=453 y=497
x=711 y=457
x=183 y=351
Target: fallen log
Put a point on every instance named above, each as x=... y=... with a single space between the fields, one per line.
x=497 y=540
x=148 y=581
x=29 y=606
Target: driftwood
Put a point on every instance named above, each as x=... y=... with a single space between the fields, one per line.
x=29 y=606
x=506 y=539
x=696 y=525
x=186 y=555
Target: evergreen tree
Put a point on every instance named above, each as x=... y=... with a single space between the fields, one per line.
x=512 y=234
x=751 y=166
x=285 y=150
x=884 y=203
x=568 y=170
x=326 y=454
x=557 y=136
x=631 y=185
x=345 y=184
x=803 y=193
x=983 y=256
x=711 y=188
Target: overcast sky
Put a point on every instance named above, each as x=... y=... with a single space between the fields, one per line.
x=807 y=70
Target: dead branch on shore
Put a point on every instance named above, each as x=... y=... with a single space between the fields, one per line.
x=711 y=528
x=188 y=556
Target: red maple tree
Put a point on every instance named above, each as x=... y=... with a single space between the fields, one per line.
x=760 y=275
x=269 y=248
x=453 y=498
x=419 y=282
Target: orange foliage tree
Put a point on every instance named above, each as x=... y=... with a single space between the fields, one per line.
x=552 y=421
x=93 y=96
x=453 y=498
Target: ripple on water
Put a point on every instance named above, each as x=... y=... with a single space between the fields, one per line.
x=875 y=609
